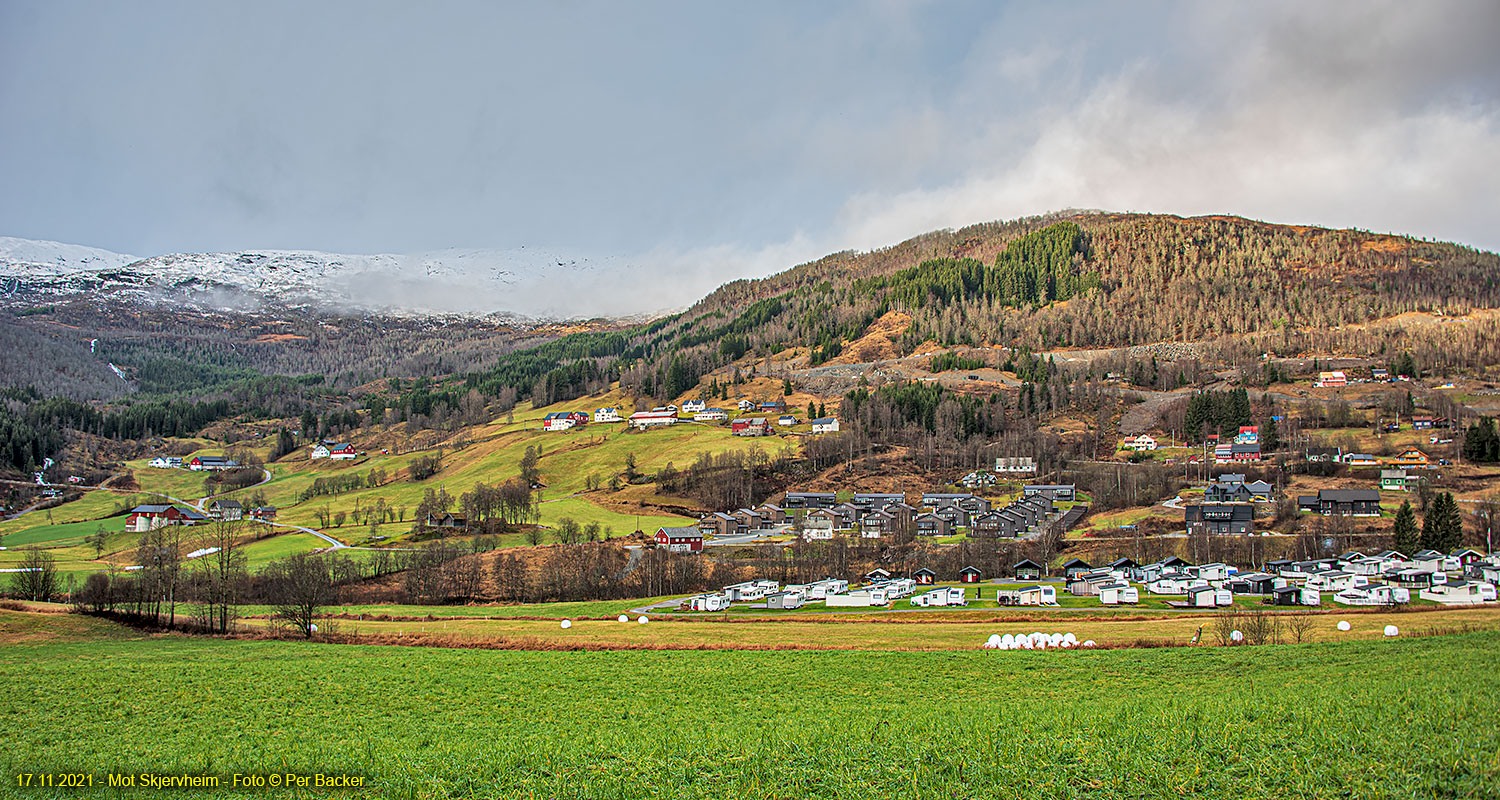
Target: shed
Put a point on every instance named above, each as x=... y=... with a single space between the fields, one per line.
x=1075 y=566
x=1028 y=570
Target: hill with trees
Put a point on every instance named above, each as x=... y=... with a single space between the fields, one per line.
x=1073 y=280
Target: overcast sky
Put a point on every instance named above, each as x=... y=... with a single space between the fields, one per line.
x=710 y=141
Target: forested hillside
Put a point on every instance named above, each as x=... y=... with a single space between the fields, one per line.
x=1072 y=280
x=1235 y=288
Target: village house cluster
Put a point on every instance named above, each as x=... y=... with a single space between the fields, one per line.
x=772 y=414
x=875 y=515
x=1229 y=503
x=196 y=463
x=1466 y=577
x=150 y=517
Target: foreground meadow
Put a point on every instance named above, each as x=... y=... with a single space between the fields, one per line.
x=1401 y=718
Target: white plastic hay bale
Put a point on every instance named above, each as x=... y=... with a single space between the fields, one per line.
x=624 y=618
x=1344 y=625
x=1065 y=644
x=1041 y=643
x=1089 y=643
x=567 y=623
x=1070 y=638
x=1236 y=636
x=1026 y=643
x=1008 y=639
x=1392 y=630
x=993 y=641
x=642 y=619
x=1055 y=639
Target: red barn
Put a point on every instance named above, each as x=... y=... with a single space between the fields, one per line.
x=686 y=539
x=150 y=517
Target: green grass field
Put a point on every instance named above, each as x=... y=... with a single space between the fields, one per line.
x=1369 y=719
x=929 y=630
x=568 y=461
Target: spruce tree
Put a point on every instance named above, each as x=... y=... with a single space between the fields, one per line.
x=1406 y=535
x=1449 y=528
x=1429 y=526
x=1270 y=437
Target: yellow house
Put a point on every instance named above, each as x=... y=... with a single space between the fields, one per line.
x=1410 y=457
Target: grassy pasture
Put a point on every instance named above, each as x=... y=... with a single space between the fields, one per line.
x=568 y=458
x=1357 y=719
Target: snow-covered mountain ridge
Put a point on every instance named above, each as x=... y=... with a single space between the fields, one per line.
x=526 y=282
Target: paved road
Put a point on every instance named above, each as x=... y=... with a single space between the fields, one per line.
x=654 y=606
x=635 y=552
x=741 y=539
x=333 y=544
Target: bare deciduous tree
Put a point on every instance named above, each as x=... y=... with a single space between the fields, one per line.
x=299 y=586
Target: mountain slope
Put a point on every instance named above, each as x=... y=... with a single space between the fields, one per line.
x=523 y=282
x=1074 y=280
x=43 y=258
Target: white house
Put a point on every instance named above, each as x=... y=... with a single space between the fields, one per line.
x=751 y=590
x=1116 y=593
x=642 y=420
x=711 y=415
x=1037 y=596
x=1382 y=595
x=607 y=415
x=558 y=424
x=1336 y=581
x=166 y=462
x=1433 y=561
x=895 y=588
x=818 y=590
x=1370 y=565
x=1209 y=597
x=341 y=451
x=746 y=404
x=944 y=596
x=873 y=596
x=825 y=425
x=694 y=406
x=819 y=523
x=1211 y=572
x=1174 y=583
x=1458 y=593
x=786 y=600
x=717 y=601
x=1140 y=443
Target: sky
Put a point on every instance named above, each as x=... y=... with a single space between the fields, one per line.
x=702 y=142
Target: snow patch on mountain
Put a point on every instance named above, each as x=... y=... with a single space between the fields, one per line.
x=526 y=282
x=18 y=256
